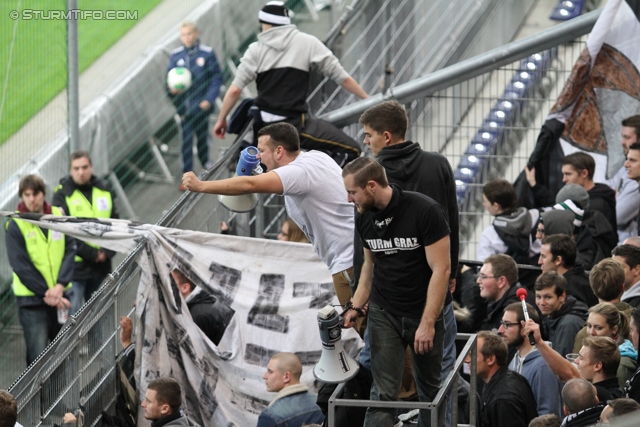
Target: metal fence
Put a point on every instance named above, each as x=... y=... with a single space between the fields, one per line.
x=450 y=107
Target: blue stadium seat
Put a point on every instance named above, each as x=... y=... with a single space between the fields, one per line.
x=567 y=9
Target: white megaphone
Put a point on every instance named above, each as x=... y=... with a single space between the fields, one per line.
x=335 y=365
x=248 y=164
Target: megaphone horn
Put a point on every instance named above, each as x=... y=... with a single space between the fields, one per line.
x=248 y=164
x=335 y=365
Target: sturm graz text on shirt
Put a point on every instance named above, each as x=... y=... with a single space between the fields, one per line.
x=389 y=246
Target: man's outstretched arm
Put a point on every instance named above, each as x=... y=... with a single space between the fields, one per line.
x=230 y=99
x=265 y=183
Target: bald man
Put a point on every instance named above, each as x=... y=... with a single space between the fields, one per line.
x=293 y=403
x=581 y=405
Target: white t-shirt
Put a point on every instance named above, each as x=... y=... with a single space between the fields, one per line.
x=316 y=200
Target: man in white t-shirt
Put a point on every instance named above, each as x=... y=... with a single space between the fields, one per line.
x=314 y=195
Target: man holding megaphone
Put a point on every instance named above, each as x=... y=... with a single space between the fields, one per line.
x=311 y=183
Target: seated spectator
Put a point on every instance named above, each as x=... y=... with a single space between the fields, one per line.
x=627 y=194
x=507 y=399
x=593 y=234
x=498 y=283
x=581 y=404
x=629 y=257
x=8 y=410
x=598 y=352
x=290 y=232
x=293 y=406
x=563 y=316
x=618 y=408
x=632 y=387
x=558 y=253
x=211 y=316
x=549 y=420
x=605 y=320
x=527 y=361
x=512 y=229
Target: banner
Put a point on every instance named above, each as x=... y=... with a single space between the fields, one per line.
x=275 y=288
x=603 y=89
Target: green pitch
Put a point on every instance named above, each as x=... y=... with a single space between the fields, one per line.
x=33 y=52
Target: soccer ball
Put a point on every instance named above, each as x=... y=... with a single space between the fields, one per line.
x=179 y=78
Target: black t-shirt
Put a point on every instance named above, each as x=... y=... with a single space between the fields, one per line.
x=397 y=236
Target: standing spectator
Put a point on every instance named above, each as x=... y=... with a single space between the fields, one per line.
x=42 y=263
x=627 y=194
x=195 y=104
x=605 y=320
x=597 y=362
x=607 y=280
x=618 y=408
x=558 y=253
x=546 y=387
x=8 y=409
x=162 y=403
x=293 y=406
x=290 y=232
x=507 y=399
x=405 y=278
x=563 y=315
x=593 y=234
x=498 y=282
x=313 y=194
x=632 y=388
x=512 y=229
x=82 y=194
x=629 y=257
x=413 y=169
x=280 y=62
x=581 y=404
x=578 y=168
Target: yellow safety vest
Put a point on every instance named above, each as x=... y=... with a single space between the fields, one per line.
x=46 y=254
x=100 y=207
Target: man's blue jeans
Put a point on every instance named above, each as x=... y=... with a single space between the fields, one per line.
x=82 y=291
x=40 y=326
x=389 y=336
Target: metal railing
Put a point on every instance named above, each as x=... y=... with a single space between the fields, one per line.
x=436 y=407
x=78 y=367
x=448 y=107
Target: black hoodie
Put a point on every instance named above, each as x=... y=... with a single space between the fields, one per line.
x=428 y=173
x=565 y=324
x=603 y=199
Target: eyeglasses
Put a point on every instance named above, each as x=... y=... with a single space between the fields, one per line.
x=482 y=277
x=540 y=230
x=507 y=325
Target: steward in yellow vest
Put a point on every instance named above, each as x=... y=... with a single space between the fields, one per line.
x=42 y=261
x=85 y=195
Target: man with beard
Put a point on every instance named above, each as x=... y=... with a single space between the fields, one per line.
x=404 y=279
x=528 y=362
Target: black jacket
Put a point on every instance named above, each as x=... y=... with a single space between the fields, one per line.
x=496 y=309
x=595 y=239
x=210 y=315
x=413 y=169
x=507 y=401
x=603 y=199
x=578 y=286
x=88 y=268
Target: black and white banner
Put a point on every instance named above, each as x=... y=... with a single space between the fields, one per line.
x=276 y=289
